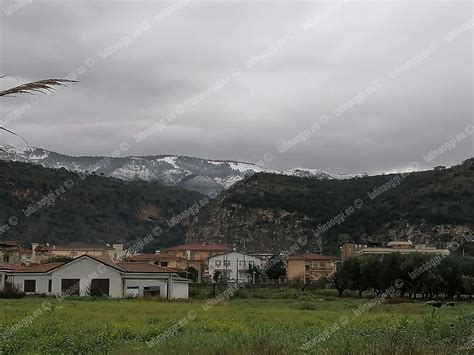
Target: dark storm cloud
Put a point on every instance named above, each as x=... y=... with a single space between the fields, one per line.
x=259 y=73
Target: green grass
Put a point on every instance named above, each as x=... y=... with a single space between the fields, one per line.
x=250 y=326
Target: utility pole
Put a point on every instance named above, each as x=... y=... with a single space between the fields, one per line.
x=320 y=242
x=237 y=270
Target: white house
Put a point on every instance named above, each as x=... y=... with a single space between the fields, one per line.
x=91 y=274
x=233 y=266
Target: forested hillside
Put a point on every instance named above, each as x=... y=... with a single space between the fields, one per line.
x=58 y=206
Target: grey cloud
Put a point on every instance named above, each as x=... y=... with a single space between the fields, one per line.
x=308 y=76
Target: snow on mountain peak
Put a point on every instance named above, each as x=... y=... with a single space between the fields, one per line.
x=191 y=173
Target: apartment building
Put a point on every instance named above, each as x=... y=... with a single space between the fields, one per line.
x=403 y=247
x=310 y=266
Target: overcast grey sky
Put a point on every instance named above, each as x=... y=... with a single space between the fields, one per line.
x=387 y=82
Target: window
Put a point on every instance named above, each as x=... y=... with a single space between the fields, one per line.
x=100 y=287
x=50 y=285
x=227 y=263
x=29 y=286
x=218 y=263
x=70 y=287
x=151 y=291
x=242 y=263
x=306 y=267
x=132 y=292
x=6 y=258
x=164 y=263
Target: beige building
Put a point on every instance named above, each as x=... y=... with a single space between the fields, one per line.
x=42 y=253
x=12 y=252
x=310 y=266
x=160 y=259
x=402 y=247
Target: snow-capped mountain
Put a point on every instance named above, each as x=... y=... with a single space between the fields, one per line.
x=318 y=174
x=195 y=174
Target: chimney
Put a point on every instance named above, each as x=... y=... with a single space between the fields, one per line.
x=33 y=246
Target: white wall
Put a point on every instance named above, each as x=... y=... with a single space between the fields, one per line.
x=87 y=269
x=181 y=290
x=3 y=275
x=178 y=289
x=42 y=281
x=142 y=283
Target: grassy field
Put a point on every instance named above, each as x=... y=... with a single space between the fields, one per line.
x=250 y=326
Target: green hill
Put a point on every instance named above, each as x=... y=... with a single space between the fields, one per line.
x=94 y=210
x=268 y=211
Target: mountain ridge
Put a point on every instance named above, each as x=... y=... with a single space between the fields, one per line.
x=195 y=174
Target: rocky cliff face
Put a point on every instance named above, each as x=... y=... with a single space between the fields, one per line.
x=256 y=229
x=270 y=213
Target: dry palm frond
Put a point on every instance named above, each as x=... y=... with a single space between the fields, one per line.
x=41 y=86
x=36 y=86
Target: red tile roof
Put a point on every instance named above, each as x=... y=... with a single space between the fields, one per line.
x=8 y=266
x=137 y=267
x=82 y=249
x=153 y=257
x=144 y=267
x=201 y=247
x=102 y=259
x=12 y=243
x=39 y=268
x=313 y=256
x=43 y=248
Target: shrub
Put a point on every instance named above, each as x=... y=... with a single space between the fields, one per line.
x=10 y=290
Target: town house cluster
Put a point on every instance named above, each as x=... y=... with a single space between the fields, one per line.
x=111 y=270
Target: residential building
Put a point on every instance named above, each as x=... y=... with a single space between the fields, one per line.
x=307 y=267
x=88 y=274
x=402 y=247
x=233 y=266
x=42 y=253
x=9 y=252
x=197 y=254
x=160 y=259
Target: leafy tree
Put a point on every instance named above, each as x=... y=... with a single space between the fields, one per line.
x=341 y=280
x=357 y=280
x=468 y=284
x=277 y=270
